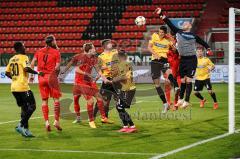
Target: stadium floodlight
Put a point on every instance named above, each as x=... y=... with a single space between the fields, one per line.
x=231 y=80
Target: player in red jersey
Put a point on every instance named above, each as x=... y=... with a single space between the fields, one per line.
x=173 y=59
x=85 y=85
x=48 y=61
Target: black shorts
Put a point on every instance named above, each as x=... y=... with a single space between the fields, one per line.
x=188 y=66
x=24 y=98
x=126 y=98
x=199 y=84
x=107 y=90
x=158 y=66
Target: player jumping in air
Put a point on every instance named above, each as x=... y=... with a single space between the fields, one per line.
x=85 y=84
x=159 y=46
x=48 y=61
x=186 y=46
x=204 y=68
x=173 y=59
x=108 y=61
x=127 y=89
x=17 y=70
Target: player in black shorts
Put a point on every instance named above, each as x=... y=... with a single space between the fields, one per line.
x=108 y=62
x=17 y=70
x=159 y=46
x=126 y=91
x=204 y=68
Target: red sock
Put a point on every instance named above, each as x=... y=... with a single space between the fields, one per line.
x=56 y=110
x=45 y=111
x=90 y=112
x=101 y=108
x=76 y=105
x=179 y=81
x=168 y=92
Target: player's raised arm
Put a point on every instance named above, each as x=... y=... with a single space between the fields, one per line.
x=204 y=44
x=70 y=63
x=166 y=20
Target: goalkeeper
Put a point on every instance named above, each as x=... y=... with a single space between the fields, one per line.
x=186 y=46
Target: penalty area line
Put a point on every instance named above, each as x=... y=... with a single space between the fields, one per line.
x=192 y=145
x=79 y=151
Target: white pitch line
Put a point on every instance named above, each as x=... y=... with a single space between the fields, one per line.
x=191 y=146
x=79 y=151
x=33 y=118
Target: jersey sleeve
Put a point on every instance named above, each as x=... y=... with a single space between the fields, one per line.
x=210 y=63
x=58 y=57
x=74 y=59
x=25 y=62
x=99 y=61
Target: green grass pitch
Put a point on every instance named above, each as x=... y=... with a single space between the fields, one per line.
x=157 y=133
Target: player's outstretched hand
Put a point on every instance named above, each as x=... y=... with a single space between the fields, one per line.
x=209 y=52
x=158 y=11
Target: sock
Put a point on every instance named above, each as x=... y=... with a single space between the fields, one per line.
x=101 y=108
x=56 y=110
x=182 y=90
x=176 y=97
x=47 y=122
x=95 y=110
x=106 y=108
x=173 y=80
x=45 y=111
x=90 y=112
x=168 y=92
x=197 y=94
x=213 y=95
x=188 y=91
x=122 y=115
x=161 y=94
x=179 y=80
x=76 y=105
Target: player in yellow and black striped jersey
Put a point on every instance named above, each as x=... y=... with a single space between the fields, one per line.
x=17 y=70
x=124 y=77
x=108 y=62
x=203 y=72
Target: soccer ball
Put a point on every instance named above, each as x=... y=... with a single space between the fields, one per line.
x=140 y=20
